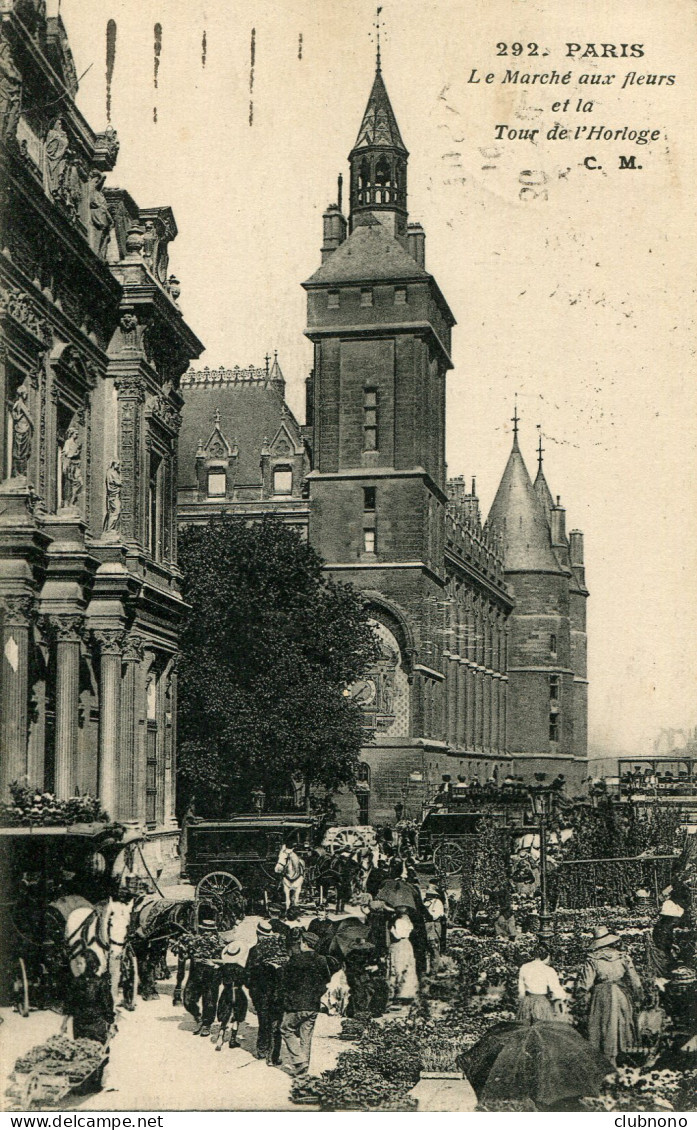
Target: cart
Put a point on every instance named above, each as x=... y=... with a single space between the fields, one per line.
x=44 y=873
x=240 y=854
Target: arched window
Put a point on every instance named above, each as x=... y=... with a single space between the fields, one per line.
x=363 y=773
x=383 y=182
x=364 y=183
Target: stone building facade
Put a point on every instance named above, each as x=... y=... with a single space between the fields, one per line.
x=93 y=348
x=241 y=448
x=547 y=668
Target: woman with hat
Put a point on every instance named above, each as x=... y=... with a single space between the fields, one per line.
x=401 y=965
x=615 y=989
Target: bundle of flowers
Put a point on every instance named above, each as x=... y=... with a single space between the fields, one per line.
x=199 y=947
x=60 y=1056
x=273 y=950
x=31 y=807
x=634 y=1090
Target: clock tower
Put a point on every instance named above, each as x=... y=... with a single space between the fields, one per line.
x=381 y=330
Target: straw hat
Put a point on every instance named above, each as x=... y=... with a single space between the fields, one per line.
x=230 y=952
x=264 y=929
x=603 y=937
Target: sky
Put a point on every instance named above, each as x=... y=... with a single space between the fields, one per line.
x=572 y=287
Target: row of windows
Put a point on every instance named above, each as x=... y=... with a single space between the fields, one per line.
x=400 y=297
x=217 y=482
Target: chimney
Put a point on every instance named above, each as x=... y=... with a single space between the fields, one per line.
x=416 y=243
x=576 y=554
x=334 y=230
x=558 y=523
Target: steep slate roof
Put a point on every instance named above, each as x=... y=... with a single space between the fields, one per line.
x=543 y=492
x=517 y=514
x=369 y=253
x=379 y=126
x=250 y=412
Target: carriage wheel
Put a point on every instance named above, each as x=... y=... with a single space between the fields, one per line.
x=21 y=987
x=347 y=837
x=449 y=857
x=217 y=884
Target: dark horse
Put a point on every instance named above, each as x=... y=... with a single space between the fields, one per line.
x=155 y=922
x=338 y=873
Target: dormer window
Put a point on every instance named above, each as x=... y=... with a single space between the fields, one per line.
x=217 y=484
x=283 y=480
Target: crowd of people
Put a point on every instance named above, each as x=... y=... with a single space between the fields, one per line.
x=357 y=965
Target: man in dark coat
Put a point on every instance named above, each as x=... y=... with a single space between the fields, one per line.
x=264 y=976
x=305 y=979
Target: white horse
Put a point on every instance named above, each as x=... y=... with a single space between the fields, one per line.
x=101 y=929
x=292 y=869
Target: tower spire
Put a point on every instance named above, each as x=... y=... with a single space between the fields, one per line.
x=378 y=26
x=515 y=419
x=540 y=449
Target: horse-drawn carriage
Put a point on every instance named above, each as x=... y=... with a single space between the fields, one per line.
x=242 y=853
x=52 y=880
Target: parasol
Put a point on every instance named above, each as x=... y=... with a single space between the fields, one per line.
x=397 y=892
x=547 y=1061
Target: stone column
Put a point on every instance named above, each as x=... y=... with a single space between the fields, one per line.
x=170 y=776
x=67 y=632
x=14 y=713
x=126 y=806
x=110 y=643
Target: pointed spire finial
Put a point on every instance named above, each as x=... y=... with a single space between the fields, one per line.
x=267 y=359
x=378 y=26
x=216 y=416
x=540 y=448
x=515 y=418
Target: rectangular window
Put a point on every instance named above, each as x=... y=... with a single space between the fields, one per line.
x=554 y=688
x=369 y=541
x=282 y=480
x=216 y=483
x=553 y=644
x=366 y=296
x=400 y=296
x=154 y=509
x=333 y=299
x=370 y=419
x=554 y=727
x=369 y=499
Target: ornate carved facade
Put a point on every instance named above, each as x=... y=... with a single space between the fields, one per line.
x=93 y=349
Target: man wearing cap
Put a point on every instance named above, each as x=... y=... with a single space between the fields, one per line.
x=200 y=996
x=305 y=980
x=232 y=1003
x=264 y=977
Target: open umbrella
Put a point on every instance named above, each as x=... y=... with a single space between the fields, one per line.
x=397 y=892
x=547 y=1061
x=350 y=934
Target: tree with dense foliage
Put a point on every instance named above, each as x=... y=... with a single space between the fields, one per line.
x=268 y=652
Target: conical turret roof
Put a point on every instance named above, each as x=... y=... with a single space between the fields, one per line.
x=379 y=126
x=543 y=492
x=519 y=517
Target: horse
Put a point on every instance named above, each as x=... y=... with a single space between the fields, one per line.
x=335 y=872
x=154 y=922
x=101 y=929
x=291 y=868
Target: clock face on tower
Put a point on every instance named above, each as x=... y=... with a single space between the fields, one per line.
x=365 y=692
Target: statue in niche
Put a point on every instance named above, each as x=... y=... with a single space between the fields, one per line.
x=101 y=220
x=112 y=516
x=10 y=91
x=22 y=433
x=150 y=245
x=57 y=157
x=71 y=468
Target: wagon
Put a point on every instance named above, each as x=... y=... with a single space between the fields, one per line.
x=42 y=871
x=241 y=853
